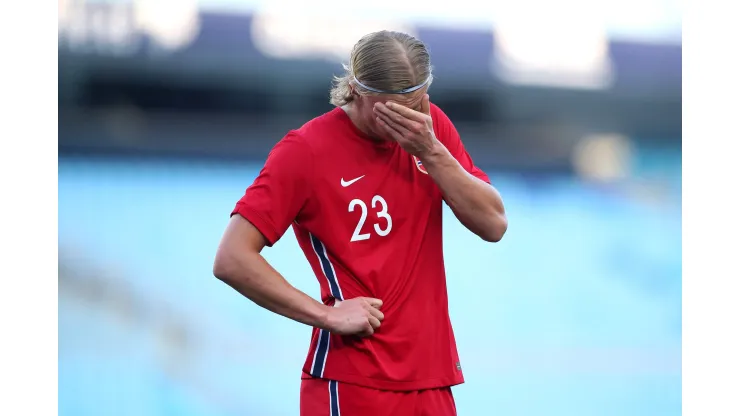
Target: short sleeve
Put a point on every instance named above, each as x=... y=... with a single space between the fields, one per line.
x=448 y=135
x=275 y=198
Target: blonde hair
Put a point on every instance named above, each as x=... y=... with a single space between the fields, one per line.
x=384 y=61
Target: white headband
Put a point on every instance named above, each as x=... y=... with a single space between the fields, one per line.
x=403 y=91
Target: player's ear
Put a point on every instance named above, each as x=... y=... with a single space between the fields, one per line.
x=353 y=92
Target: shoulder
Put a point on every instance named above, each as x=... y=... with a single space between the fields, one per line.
x=292 y=154
x=300 y=146
x=293 y=144
x=318 y=128
x=312 y=133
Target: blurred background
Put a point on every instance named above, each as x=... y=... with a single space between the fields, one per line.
x=168 y=108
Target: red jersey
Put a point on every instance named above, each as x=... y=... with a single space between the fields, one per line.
x=369 y=220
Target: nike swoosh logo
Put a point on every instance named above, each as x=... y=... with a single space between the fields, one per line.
x=348 y=183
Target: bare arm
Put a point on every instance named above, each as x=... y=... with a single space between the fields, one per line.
x=476 y=204
x=240 y=265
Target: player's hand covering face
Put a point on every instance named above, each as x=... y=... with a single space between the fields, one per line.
x=412 y=129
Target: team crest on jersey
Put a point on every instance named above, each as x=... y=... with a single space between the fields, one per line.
x=419 y=166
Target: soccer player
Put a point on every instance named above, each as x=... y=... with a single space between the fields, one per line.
x=362 y=187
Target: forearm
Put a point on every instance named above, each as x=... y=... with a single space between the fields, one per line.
x=476 y=204
x=252 y=276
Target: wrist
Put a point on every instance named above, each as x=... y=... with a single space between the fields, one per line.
x=436 y=155
x=323 y=318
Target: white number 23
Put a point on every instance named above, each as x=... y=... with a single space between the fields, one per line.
x=382 y=213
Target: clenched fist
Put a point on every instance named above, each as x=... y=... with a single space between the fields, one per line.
x=358 y=316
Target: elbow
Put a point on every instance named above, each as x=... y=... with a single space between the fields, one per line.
x=222 y=267
x=220 y=270
x=496 y=229
x=232 y=264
